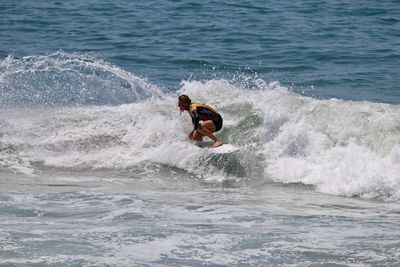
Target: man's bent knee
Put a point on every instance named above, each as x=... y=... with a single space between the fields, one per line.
x=197 y=136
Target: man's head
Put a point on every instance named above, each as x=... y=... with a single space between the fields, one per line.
x=184 y=102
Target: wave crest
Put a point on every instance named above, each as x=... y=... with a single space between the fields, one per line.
x=64 y=79
x=339 y=147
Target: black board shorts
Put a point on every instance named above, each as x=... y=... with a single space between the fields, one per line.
x=217 y=123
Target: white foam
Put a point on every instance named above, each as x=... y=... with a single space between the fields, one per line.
x=340 y=147
x=69 y=79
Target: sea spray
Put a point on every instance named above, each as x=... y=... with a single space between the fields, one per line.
x=65 y=79
x=340 y=147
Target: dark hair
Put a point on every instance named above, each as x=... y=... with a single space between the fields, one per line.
x=185 y=99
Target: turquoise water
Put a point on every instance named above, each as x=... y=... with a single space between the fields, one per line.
x=96 y=168
x=342 y=49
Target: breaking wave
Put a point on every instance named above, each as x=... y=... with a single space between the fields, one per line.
x=338 y=147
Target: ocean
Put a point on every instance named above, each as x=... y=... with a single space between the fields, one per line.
x=96 y=168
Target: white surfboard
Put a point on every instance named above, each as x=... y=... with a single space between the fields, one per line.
x=224 y=149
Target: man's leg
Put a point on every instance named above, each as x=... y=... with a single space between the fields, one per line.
x=196 y=136
x=207 y=128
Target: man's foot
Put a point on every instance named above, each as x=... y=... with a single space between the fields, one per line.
x=217 y=143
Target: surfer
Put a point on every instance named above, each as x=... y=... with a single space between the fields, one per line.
x=205 y=119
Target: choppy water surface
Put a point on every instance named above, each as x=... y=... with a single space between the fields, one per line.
x=125 y=221
x=96 y=169
x=343 y=49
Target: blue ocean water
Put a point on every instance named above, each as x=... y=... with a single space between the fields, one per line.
x=96 y=168
x=342 y=49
